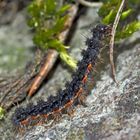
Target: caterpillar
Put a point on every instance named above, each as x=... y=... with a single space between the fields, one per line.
x=72 y=94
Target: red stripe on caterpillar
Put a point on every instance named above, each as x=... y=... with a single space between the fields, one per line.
x=73 y=92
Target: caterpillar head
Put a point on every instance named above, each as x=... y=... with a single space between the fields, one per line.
x=101 y=32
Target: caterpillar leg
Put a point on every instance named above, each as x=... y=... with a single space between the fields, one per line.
x=71 y=110
x=57 y=115
x=82 y=99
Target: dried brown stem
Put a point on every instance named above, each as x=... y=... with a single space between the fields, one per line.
x=115 y=24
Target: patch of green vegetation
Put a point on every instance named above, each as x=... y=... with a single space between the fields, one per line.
x=47 y=18
x=2 y=112
x=109 y=10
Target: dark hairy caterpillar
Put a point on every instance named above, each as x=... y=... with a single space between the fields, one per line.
x=73 y=93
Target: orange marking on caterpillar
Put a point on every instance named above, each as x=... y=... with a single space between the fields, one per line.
x=34 y=117
x=89 y=67
x=86 y=76
x=78 y=93
x=68 y=104
x=57 y=111
x=24 y=122
x=84 y=79
x=45 y=115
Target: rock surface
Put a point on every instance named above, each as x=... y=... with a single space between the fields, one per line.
x=15 y=45
x=113 y=112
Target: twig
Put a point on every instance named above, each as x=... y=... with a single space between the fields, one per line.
x=111 y=45
x=48 y=64
x=90 y=4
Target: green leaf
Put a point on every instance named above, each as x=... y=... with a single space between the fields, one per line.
x=49 y=6
x=39 y=38
x=59 y=25
x=126 y=13
x=107 y=7
x=56 y=44
x=33 y=9
x=132 y=27
x=62 y=10
x=33 y=22
x=68 y=59
x=110 y=17
x=128 y=30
